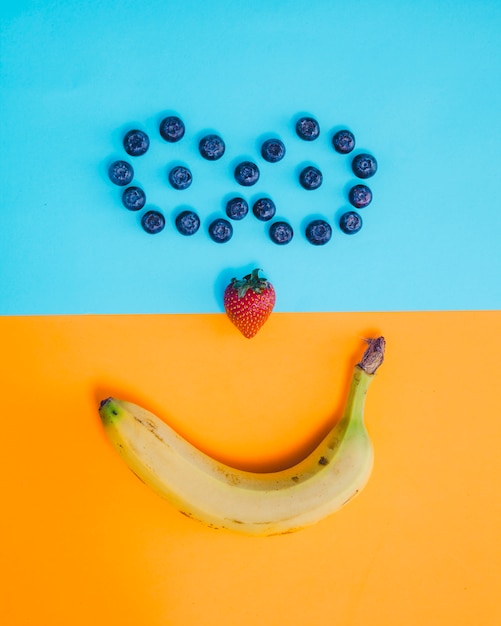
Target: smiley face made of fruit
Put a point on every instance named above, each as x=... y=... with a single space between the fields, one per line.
x=198 y=485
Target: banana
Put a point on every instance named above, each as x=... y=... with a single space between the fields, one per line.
x=253 y=503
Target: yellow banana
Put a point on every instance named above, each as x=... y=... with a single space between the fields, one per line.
x=254 y=503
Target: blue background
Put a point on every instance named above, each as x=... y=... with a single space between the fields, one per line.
x=419 y=84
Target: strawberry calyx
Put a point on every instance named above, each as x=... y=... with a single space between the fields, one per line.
x=252 y=281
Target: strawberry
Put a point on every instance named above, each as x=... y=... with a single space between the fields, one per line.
x=249 y=302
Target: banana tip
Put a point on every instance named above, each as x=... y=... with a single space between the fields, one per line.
x=104 y=402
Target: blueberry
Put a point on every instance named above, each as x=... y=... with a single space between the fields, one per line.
x=264 y=209
x=211 y=147
x=187 y=222
x=220 y=230
x=343 y=141
x=180 y=177
x=172 y=128
x=121 y=173
x=350 y=222
x=307 y=128
x=133 y=198
x=246 y=173
x=318 y=232
x=360 y=196
x=136 y=142
x=153 y=222
x=273 y=150
x=237 y=208
x=281 y=233
x=364 y=165
x=310 y=178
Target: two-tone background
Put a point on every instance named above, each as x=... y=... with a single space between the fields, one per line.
x=92 y=306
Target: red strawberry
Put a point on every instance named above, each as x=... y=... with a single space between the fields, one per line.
x=249 y=302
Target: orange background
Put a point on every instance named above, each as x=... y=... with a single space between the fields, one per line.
x=84 y=542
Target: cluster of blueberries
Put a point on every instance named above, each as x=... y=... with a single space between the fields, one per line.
x=212 y=148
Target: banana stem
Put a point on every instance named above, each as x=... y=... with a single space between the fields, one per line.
x=363 y=374
x=373 y=356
